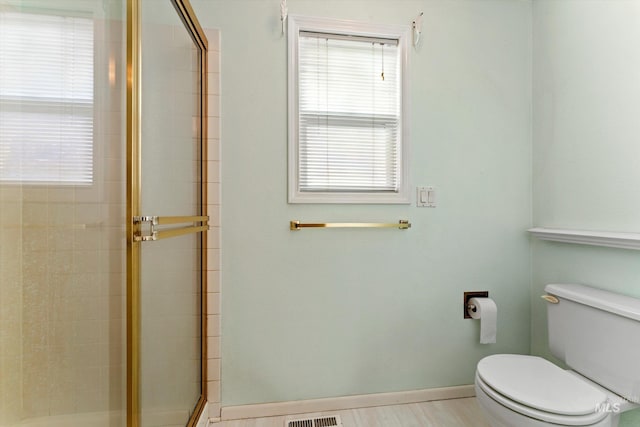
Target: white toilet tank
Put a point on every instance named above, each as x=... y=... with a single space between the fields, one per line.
x=597 y=333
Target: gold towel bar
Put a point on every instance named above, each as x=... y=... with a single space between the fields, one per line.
x=403 y=224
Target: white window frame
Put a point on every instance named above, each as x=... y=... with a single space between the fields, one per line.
x=345 y=27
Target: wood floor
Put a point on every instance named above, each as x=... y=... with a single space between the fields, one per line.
x=442 y=413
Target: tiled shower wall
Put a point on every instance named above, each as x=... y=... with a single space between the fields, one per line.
x=213 y=267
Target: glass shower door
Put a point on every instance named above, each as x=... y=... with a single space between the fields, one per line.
x=169 y=222
x=62 y=213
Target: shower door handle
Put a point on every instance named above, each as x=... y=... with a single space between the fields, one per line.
x=151 y=232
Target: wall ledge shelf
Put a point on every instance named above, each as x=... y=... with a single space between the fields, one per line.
x=583 y=237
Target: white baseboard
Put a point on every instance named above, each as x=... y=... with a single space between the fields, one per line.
x=344 y=402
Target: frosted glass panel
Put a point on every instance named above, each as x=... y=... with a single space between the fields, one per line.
x=170 y=112
x=62 y=213
x=170 y=270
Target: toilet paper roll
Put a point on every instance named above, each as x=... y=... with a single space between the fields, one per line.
x=487 y=312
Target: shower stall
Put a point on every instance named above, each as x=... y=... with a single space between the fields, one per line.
x=102 y=213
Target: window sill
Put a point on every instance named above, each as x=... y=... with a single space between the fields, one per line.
x=350 y=198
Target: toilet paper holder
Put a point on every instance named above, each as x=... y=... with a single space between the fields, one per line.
x=467 y=306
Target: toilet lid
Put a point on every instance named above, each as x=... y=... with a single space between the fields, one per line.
x=538 y=383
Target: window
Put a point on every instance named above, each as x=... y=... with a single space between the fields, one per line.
x=46 y=99
x=347 y=116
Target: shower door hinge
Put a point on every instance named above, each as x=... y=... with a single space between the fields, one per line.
x=151 y=233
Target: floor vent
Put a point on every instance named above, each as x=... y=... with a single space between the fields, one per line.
x=332 y=421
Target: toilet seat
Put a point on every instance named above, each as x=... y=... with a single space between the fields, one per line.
x=538 y=389
x=535 y=414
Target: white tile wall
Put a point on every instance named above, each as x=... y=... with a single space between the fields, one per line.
x=214 y=252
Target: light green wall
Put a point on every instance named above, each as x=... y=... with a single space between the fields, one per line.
x=585 y=145
x=321 y=313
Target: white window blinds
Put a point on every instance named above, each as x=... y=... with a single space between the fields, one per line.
x=46 y=98
x=349 y=113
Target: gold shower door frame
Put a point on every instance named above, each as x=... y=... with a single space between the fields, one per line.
x=134 y=180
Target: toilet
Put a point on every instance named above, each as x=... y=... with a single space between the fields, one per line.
x=596 y=333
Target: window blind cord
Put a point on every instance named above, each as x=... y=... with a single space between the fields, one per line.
x=373 y=116
x=382 y=56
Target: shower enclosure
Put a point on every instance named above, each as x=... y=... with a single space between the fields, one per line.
x=102 y=213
